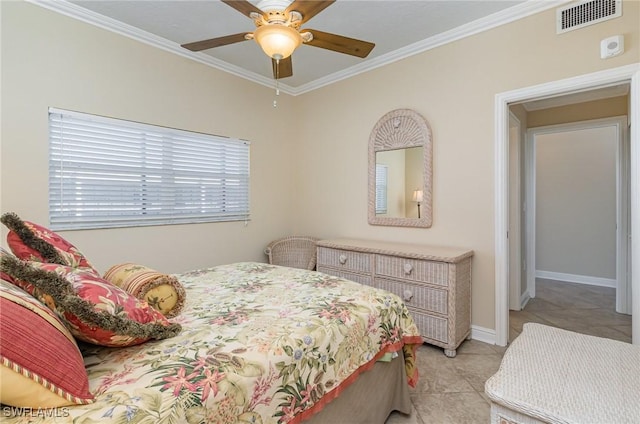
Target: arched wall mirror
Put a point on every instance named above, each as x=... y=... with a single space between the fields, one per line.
x=400 y=170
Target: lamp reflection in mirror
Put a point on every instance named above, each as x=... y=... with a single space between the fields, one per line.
x=418 y=197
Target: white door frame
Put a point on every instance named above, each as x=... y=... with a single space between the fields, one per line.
x=623 y=292
x=515 y=214
x=629 y=73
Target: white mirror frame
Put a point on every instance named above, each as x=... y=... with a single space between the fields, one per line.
x=400 y=129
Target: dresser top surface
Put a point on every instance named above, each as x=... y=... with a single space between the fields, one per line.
x=416 y=251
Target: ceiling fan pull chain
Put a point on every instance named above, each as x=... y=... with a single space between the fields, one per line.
x=275 y=101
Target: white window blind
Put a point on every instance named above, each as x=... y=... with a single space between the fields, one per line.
x=381 y=189
x=106 y=172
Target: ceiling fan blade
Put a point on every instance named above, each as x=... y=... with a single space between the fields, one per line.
x=309 y=8
x=283 y=69
x=215 y=42
x=243 y=6
x=339 y=43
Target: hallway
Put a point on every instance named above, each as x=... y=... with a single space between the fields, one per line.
x=575 y=307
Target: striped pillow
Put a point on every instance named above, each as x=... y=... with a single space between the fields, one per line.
x=163 y=292
x=40 y=364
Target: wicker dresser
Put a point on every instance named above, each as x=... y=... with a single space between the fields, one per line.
x=434 y=282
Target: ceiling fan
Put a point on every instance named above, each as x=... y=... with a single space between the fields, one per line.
x=278 y=32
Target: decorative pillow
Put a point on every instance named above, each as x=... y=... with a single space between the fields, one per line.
x=4 y=275
x=41 y=366
x=33 y=242
x=93 y=309
x=163 y=292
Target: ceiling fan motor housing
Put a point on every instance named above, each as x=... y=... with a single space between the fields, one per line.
x=268 y=5
x=278 y=17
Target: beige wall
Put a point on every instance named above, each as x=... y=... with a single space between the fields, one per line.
x=52 y=60
x=605 y=108
x=576 y=202
x=309 y=156
x=454 y=87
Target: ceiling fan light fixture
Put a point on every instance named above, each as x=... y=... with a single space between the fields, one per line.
x=277 y=41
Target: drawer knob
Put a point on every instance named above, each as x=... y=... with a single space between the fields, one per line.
x=408 y=295
x=343 y=259
x=407 y=269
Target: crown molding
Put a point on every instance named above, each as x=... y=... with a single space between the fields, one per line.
x=69 y=9
x=530 y=7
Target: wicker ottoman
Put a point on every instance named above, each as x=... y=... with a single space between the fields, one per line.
x=549 y=375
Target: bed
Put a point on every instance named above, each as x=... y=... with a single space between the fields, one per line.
x=259 y=344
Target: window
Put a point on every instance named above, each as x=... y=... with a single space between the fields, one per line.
x=381 y=189
x=107 y=173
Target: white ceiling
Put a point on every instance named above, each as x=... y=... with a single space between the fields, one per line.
x=399 y=29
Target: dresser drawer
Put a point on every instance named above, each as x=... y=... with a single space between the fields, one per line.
x=413 y=269
x=358 y=278
x=345 y=260
x=434 y=328
x=416 y=295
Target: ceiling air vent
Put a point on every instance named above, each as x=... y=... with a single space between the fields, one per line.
x=584 y=13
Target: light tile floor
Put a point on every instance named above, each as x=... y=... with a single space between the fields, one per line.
x=451 y=390
x=575 y=307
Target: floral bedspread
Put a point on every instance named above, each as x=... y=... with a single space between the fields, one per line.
x=260 y=344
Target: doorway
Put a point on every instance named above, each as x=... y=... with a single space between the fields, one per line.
x=629 y=74
x=577 y=186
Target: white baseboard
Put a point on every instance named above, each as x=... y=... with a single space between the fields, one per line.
x=524 y=299
x=573 y=278
x=481 y=334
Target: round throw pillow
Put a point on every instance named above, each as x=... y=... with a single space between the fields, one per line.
x=163 y=292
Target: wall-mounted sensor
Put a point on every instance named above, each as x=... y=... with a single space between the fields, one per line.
x=611 y=46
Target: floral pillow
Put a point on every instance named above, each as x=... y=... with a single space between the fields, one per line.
x=34 y=242
x=40 y=363
x=93 y=309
